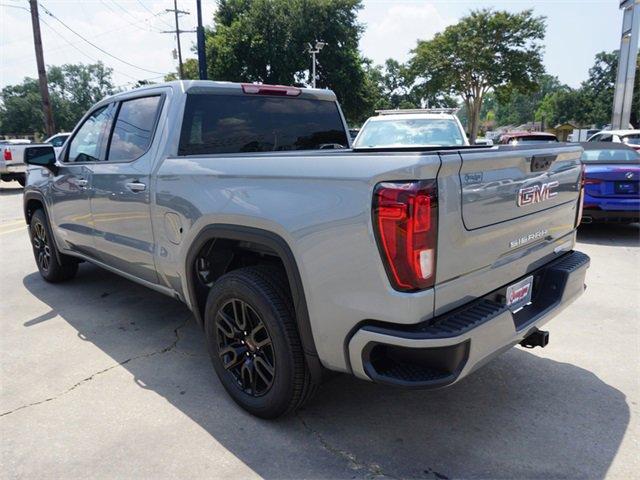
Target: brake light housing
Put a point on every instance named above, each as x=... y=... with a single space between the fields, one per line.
x=261 y=89
x=405 y=222
x=7 y=155
x=583 y=181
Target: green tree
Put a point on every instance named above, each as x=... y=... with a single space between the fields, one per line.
x=21 y=108
x=565 y=105
x=266 y=41
x=486 y=50
x=73 y=89
x=599 y=89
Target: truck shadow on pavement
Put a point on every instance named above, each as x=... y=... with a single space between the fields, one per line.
x=610 y=234
x=520 y=416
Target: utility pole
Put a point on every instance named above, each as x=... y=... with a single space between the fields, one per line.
x=313 y=50
x=177 y=31
x=202 y=54
x=42 y=73
x=627 y=60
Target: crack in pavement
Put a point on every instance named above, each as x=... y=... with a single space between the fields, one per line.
x=166 y=349
x=373 y=470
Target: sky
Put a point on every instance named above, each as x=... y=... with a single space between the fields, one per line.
x=126 y=34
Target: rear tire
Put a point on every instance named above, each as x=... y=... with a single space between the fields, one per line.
x=53 y=266
x=254 y=344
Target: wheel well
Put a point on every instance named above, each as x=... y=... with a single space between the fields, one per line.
x=233 y=246
x=219 y=256
x=30 y=207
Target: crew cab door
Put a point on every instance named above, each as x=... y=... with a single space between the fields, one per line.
x=120 y=198
x=70 y=208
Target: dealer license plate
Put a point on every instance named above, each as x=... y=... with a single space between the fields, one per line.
x=519 y=294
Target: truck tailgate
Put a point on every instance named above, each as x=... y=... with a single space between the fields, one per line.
x=502 y=213
x=508 y=184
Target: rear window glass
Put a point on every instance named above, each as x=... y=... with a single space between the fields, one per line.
x=409 y=132
x=532 y=140
x=610 y=156
x=243 y=123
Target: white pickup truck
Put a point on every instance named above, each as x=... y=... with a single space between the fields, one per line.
x=12 y=166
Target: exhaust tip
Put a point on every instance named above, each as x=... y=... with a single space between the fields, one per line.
x=587 y=220
x=539 y=338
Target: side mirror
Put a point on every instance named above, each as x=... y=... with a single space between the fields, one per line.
x=41 y=157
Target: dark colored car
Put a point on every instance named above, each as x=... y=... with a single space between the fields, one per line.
x=612 y=177
x=526 y=138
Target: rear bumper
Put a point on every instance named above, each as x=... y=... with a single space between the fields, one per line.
x=443 y=350
x=9 y=168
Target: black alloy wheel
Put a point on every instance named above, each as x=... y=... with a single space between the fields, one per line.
x=41 y=247
x=245 y=347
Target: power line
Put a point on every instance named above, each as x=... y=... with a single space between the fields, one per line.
x=133 y=24
x=48 y=12
x=154 y=14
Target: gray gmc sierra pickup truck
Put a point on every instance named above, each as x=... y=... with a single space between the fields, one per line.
x=298 y=254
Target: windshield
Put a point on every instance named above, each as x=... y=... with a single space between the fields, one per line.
x=410 y=132
x=612 y=155
x=634 y=138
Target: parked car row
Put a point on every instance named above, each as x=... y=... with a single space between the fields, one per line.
x=611 y=159
x=12 y=166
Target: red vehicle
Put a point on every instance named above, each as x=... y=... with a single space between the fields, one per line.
x=519 y=138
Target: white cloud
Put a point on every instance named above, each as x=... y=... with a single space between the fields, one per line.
x=392 y=31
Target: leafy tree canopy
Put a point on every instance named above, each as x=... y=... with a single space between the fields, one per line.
x=73 y=89
x=266 y=41
x=486 y=50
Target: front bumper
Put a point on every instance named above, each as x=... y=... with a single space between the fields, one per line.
x=443 y=350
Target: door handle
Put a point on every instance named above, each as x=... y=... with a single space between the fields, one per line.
x=82 y=183
x=136 y=186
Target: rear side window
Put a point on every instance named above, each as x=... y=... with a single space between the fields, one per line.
x=133 y=129
x=243 y=123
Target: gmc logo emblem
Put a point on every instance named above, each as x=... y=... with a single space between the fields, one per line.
x=536 y=194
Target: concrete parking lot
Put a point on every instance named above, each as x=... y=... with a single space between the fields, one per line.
x=103 y=378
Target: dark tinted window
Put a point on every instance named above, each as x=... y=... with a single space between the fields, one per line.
x=245 y=123
x=133 y=129
x=58 y=140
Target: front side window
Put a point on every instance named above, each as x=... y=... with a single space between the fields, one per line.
x=85 y=146
x=133 y=129
x=410 y=132
x=633 y=139
x=244 y=123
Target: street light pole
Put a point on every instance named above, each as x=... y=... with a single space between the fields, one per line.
x=313 y=50
x=202 y=55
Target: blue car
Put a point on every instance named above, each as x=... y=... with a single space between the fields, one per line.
x=611 y=180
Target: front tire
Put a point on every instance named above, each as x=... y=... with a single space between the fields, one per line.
x=53 y=266
x=254 y=344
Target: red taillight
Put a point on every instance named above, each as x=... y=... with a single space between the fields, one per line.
x=405 y=217
x=591 y=181
x=256 y=89
x=7 y=155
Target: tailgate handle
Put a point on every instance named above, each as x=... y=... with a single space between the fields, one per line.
x=540 y=163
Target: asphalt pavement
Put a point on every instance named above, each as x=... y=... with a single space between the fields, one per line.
x=103 y=378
